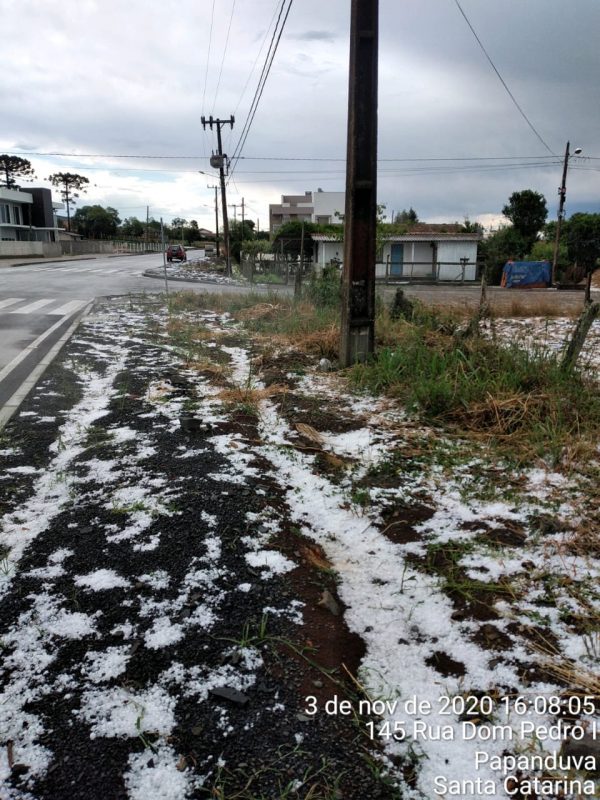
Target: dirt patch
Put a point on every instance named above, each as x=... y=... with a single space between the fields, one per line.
x=509 y=533
x=399 y=522
x=297 y=408
x=282 y=367
x=445 y=665
x=492 y=638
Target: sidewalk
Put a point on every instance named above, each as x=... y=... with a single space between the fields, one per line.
x=216 y=562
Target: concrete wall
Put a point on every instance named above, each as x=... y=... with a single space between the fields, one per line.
x=24 y=249
x=83 y=246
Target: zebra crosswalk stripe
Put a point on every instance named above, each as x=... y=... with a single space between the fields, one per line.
x=35 y=306
x=68 y=308
x=10 y=301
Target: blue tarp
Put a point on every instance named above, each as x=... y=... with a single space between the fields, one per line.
x=526 y=273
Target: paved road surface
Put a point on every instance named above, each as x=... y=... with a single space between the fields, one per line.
x=39 y=302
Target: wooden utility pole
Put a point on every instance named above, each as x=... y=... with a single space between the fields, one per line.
x=147 y=225
x=358 y=282
x=220 y=161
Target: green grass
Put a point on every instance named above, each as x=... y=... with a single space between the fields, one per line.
x=515 y=397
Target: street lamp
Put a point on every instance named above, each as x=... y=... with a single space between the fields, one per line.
x=562 y=192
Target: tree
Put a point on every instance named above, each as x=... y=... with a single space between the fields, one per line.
x=406 y=217
x=132 y=226
x=472 y=227
x=527 y=210
x=70 y=185
x=504 y=245
x=14 y=167
x=289 y=236
x=239 y=234
x=583 y=244
x=95 y=222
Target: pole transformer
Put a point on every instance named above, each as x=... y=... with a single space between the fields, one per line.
x=358 y=280
x=220 y=160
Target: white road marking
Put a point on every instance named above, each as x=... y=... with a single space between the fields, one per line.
x=68 y=308
x=28 y=309
x=10 y=301
x=13 y=403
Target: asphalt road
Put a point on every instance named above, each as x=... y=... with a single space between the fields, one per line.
x=39 y=302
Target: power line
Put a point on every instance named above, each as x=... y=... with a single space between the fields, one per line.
x=251 y=73
x=212 y=16
x=260 y=87
x=224 y=53
x=285 y=158
x=318 y=173
x=503 y=82
x=262 y=73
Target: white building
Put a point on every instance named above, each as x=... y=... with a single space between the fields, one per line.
x=320 y=207
x=418 y=254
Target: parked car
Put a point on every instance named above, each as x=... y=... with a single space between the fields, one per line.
x=176 y=252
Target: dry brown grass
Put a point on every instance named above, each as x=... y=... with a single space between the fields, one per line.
x=324 y=342
x=314 y=555
x=206 y=365
x=249 y=395
x=310 y=433
x=576 y=676
x=260 y=311
x=501 y=416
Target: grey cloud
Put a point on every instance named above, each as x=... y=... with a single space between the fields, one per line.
x=315 y=36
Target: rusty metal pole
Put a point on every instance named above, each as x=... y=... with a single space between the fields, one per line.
x=358 y=280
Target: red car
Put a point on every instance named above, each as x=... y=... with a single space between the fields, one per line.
x=176 y=252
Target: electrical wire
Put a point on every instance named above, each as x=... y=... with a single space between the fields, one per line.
x=224 y=54
x=290 y=158
x=212 y=17
x=281 y=7
x=260 y=88
x=502 y=81
x=258 y=55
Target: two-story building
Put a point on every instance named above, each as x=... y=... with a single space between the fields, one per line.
x=28 y=216
x=321 y=207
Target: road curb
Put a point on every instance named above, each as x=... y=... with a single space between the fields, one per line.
x=161 y=276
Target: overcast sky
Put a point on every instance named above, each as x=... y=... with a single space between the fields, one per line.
x=134 y=78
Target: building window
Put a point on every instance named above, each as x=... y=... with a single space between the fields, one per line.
x=16 y=214
x=4 y=215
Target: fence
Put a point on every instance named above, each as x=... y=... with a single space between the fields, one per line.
x=279 y=270
x=275 y=270
x=427 y=272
